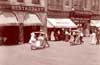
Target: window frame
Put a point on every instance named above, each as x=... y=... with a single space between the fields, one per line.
x=37 y=2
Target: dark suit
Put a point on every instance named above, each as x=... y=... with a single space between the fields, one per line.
x=98 y=37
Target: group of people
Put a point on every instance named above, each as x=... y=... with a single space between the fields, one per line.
x=56 y=34
x=39 y=42
x=76 y=38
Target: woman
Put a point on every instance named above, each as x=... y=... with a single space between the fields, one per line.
x=93 y=38
x=32 y=41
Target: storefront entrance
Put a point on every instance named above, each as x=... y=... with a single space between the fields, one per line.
x=11 y=33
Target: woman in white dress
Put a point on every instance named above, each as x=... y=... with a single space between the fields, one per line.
x=52 y=36
x=93 y=38
x=32 y=41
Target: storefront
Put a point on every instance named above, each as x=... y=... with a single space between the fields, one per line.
x=9 y=27
x=31 y=24
x=82 y=19
x=58 y=26
x=95 y=24
x=17 y=22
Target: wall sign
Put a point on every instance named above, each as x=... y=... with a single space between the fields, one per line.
x=23 y=8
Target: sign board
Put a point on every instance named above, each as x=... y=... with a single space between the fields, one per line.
x=23 y=8
x=58 y=14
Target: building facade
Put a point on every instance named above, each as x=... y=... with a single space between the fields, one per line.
x=80 y=11
x=29 y=14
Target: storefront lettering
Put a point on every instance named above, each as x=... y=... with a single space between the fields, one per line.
x=23 y=8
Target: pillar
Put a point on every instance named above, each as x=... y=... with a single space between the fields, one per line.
x=43 y=18
x=20 y=17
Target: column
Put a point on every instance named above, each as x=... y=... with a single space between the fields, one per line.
x=20 y=16
x=43 y=18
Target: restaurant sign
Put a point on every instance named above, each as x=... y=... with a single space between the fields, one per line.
x=22 y=8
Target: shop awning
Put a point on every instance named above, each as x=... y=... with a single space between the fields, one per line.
x=60 y=23
x=7 y=19
x=32 y=19
x=95 y=23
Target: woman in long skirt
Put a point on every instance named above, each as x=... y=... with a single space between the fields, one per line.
x=93 y=38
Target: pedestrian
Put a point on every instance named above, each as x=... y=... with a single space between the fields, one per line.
x=52 y=36
x=81 y=37
x=93 y=38
x=45 y=44
x=32 y=41
x=98 y=37
x=71 y=40
x=77 y=38
x=66 y=36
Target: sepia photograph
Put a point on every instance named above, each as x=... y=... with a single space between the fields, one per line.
x=49 y=32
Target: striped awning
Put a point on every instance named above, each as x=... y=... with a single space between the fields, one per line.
x=60 y=23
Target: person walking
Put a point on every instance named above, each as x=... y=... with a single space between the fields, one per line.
x=98 y=37
x=93 y=38
x=81 y=37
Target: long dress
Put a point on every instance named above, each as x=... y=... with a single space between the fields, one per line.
x=93 y=38
x=52 y=36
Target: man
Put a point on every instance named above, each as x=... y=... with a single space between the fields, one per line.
x=98 y=37
x=81 y=37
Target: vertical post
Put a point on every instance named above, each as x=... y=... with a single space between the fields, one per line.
x=21 y=33
x=45 y=24
x=20 y=17
x=44 y=18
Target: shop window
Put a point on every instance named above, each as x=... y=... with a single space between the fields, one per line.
x=35 y=1
x=20 y=1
